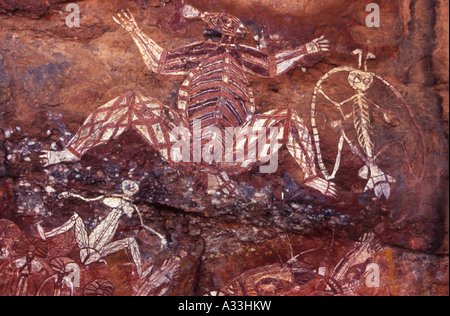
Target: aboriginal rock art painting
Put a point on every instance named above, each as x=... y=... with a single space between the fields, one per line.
x=344 y=279
x=216 y=148
x=353 y=118
x=216 y=95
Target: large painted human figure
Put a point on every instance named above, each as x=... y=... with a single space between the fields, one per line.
x=215 y=94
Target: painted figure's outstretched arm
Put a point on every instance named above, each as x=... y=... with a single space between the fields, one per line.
x=151 y=52
x=272 y=65
x=159 y=60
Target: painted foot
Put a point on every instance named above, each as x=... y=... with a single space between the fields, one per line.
x=49 y=158
x=323 y=186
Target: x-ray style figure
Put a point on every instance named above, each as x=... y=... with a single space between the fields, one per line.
x=216 y=94
x=98 y=245
x=352 y=119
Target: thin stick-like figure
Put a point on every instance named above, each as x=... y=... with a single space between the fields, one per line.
x=352 y=119
x=215 y=94
x=98 y=245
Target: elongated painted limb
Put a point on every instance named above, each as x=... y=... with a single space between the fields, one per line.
x=283 y=61
x=66 y=195
x=57 y=291
x=54 y=277
x=129 y=111
x=265 y=65
x=341 y=140
x=160 y=61
x=22 y=286
x=379 y=108
x=294 y=134
x=339 y=104
x=337 y=164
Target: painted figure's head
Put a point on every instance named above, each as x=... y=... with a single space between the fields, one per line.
x=225 y=24
x=130 y=188
x=360 y=80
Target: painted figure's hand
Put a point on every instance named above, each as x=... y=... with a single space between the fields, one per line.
x=127 y=21
x=322 y=43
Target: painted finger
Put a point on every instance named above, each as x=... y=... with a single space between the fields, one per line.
x=116 y=20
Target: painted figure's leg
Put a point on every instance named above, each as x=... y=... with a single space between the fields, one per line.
x=74 y=222
x=132 y=246
x=158 y=283
x=146 y=115
x=294 y=134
